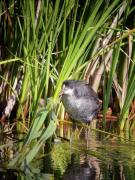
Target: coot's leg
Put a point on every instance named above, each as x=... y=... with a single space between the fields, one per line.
x=73 y=128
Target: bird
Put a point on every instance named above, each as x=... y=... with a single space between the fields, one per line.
x=80 y=101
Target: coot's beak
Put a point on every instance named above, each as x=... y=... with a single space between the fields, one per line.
x=61 y=93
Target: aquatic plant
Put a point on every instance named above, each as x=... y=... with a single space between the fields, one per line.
x=46 y=42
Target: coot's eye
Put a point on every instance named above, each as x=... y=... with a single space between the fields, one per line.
x=68 y=84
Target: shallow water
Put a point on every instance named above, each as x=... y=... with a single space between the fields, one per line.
x=91 y=158
x=81 y=154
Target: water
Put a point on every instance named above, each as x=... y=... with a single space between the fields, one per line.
x=81 y=154
x=91 y=158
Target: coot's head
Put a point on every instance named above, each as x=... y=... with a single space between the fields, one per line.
x=76 y=88
x=68 y=88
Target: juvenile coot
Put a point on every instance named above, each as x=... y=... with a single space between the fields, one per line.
x=80 y=100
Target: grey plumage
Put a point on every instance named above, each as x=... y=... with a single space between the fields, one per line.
x=80 y=100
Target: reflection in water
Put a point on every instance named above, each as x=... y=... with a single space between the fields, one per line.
x=95 y=160
x=82 y=165
x=84 y=169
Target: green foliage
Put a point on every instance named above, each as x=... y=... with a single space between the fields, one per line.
x=51 y=41
x=61 y=156
x=27 y=154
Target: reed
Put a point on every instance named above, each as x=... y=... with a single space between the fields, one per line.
x=53 y=41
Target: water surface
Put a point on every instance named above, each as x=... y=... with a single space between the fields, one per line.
x=80 y=154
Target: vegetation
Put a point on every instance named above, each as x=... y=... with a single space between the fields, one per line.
x=45 y=42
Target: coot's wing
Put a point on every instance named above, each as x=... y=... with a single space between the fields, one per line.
x=84 y=90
